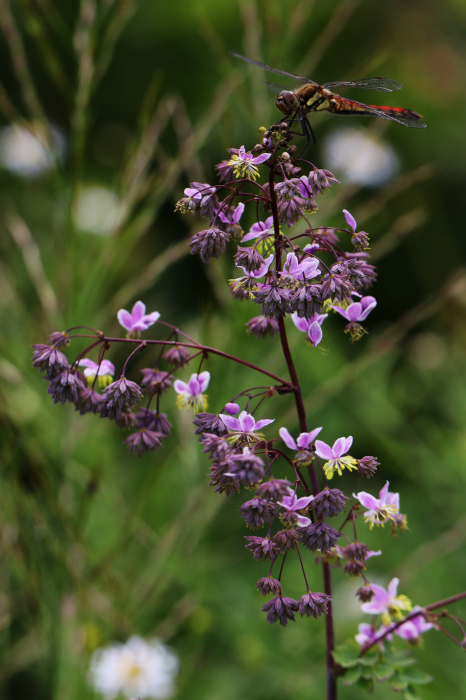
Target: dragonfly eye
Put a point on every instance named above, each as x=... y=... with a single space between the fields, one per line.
x=287 y=102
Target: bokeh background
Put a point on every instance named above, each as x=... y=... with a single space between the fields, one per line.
x=108 y=108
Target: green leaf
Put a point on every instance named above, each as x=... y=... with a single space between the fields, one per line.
x=383 y=671
x=352 y=675
x=398 y=683
x=400 y=659
x=366 y=684
x=369 y=659
x=411 y=694
x=346 y=656
x=367 y=671
x=416 y=676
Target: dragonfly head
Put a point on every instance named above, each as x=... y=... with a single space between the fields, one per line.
x=287 y=102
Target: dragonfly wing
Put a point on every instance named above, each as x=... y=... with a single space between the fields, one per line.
x=395 y=114
x=276 y=87
x=380 y=84
x=272 y=70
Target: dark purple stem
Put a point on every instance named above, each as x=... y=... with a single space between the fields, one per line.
x=301 y=411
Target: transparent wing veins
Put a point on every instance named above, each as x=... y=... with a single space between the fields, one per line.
x=379 y=84
x=272 y=70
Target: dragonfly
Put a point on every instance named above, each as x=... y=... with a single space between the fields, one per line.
x=312 y=97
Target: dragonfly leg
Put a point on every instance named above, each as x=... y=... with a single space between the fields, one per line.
x=309 y=133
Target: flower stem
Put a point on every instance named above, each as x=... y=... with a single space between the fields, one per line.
x=301 y=411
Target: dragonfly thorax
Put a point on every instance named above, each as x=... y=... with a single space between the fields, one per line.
x=287 y=102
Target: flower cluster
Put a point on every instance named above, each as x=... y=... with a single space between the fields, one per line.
x=289 y=268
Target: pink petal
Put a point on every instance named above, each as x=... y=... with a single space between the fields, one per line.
x=378 y=603
x=150 y=319
x=383 y=493
x=262 y=423
x=287 y=439
x=338 y=448
x=303 y=502
x=204 y=379
x=323 y=450
x=238 y=213
x=367 y=311
x=315 y=333
x=247 y=422
x=125 y=320
x=302 y=324
x=88 y=363
x=373 y=554
x=194 y=385
x=393 y=587
x=350 y=220
x=366 y=301
x=303 y=521
x=367 y=500
x=181 y=387
x=107 y=367
x=407 y=631
x=348 y=443
x=393 y=499
x=261 y=159
x=354 y=311
x=230 y=422
x=138 y=311
x=305 y=439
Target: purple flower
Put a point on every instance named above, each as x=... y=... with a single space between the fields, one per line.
x=144 y=441
x=268 y=585
x=280 y=608
x=358 y=311
x=118 y=398
x=231 y=408
x=260 y=326
x=208 y=243
x=47 y=358
x=350 y=220
x=262 y=547
x=104 y=372
x=256 y=512
x=245 y=425
x=302 y=443
x=304 y=270
x=191 y=394
x=313 y=604
x=244 y=164
x=234 y=217
x=386 y=602
x=311 y=326
x=293 y=504
x=137 y=320
x=209 y=423
x=414 y=627
x=359 y=240
x=263 y=269
x=379 y=510
x=336 y=456
x=329 y=502
x=259 y=230
x=245 y=467
x=368 y=634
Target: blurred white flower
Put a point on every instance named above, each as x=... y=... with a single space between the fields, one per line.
x=27 y=152
x=360 y=157
x=97 y=210
x=135 y=669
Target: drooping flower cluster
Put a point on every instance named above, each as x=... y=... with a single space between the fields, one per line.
x=287 y=496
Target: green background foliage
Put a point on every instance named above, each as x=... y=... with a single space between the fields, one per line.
x=97 y=544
